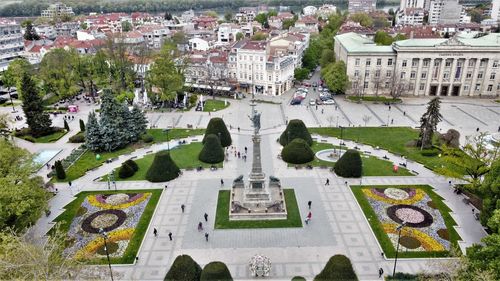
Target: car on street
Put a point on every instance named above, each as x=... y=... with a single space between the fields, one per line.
x=306 y=84
x=296 y=102
x=329 y=102
x=320 y=89
x=3 y=100
x=312 y=102
x=315 y=84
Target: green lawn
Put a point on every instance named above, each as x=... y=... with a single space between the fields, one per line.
x=88 y=162
x=377 y=99
x=393 y=139
x=214 y=105
x=160 y=136
x=382 y=237
x=128 y=257
x=185 y=156
x=222 y=217
x=45 y=139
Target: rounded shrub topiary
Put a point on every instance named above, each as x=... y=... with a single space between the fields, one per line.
x=78 y=138
x=131 y=163
x=295 y=129
x=60 y=173
x=163 y=168
x=338 y=267
x=297 y=152
x=212 y=151
x=125 y=171
x=349 y=165
x=215 y=271
x=217 y=127
x=147 y=138
x=298 y=278
x=184 y=268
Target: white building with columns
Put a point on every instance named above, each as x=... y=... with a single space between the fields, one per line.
x=465 y=65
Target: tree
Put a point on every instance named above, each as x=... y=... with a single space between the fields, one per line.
x=366 y=119
x=451 y=138
x=363 y=19
x=60 y=173
x=212 y=151
x=121 y=69
x=82 y=126
x=165 y=76
x=58 y=72
x=476 y=15
x=125 y=171
x=93 y=133
x=338 y=267
x=137 y=123
x=297 y=151
x=215 y=270
x=37 y=119
x=184 y=268
x=66 y=126
x=335 y=77
x=428 y=123
x=12 y=76
x=383 y=38
x=163 y=168
x=349 y=165
x=168 y=16
x=212 y=14
x=484 y=257
x=327 y=57
x=259 y=36
x=228 y=16
x=126 y=26
x=30 y=33
x=300 y=74
x=295 y=129
x=22 y=198
x=490 y=189
x=217 y=127
x=239 y=36
x=398 y=86
x=261 y=18
x=289 y=23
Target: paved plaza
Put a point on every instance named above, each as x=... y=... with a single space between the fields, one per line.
x=338 y=225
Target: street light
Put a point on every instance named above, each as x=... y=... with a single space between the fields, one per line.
x=12 y=103
x=399 y=228
x=168 y=144
x=341 y=140
x=111 y=177
x=104 y=237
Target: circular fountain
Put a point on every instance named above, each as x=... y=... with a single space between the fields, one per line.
x=329 y=155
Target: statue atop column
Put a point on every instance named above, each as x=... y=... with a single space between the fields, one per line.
x=256 y=120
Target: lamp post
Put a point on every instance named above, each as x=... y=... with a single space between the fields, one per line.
x=11 y=102
x=168 y=140
x=341 y=140
x=112 y=176
x=399 y=228
x=104 y=237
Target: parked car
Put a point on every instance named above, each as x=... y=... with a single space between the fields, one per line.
x=14 y=95
x=329 y=102
x=319 y=102
x=296 y=102
x=3 y=100
x=315 y=84
x=320 y=89
x=306 y=84
x=312 y=102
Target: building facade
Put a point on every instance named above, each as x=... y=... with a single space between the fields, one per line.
x=447 y=12
x=57 y=10
x=465 y=65
x=361 y=6
x=11 y=43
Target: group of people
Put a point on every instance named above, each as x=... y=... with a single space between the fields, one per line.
x=237 y=153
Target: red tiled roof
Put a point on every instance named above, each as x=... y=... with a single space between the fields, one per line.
x=254 y=45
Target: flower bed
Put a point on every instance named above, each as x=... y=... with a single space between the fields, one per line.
x=428 y=224
x=124 y=217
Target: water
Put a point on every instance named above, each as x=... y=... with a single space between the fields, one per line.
x=45 y=156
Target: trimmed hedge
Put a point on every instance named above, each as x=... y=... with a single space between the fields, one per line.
x=338 y=268
x=216 y=270
x=295 y=129
x=349 y=165
x=60 y=173
x=147 y=138
x=184 y=268
x=163 y=168
x=131 y=163
x=216 y=126
x=78 y=138
x=212 y=151
x=298 y=278
x=297 y=152
x=125 y=171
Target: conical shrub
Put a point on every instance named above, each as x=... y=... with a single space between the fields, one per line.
x=217 y=127
x=295 y=129
x=349 y=165
x=215 y=271
x=163 y=168
x=184 y=268
x=60 y=173
x=212 y=151
x=297 y=152
x=338 y=268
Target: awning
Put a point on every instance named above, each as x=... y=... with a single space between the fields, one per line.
x=207 y=87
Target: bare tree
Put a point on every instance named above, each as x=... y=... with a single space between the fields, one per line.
x=330 y=119
x=356 y=87
x=377 y=81
x=398 y=87
x=366 y=119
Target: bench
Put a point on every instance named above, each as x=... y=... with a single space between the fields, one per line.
x=189 y=126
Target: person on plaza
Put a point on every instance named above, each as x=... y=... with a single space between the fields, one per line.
x=200 y=226
x=308 y=218
x=238 y=129
x=392 y=121
x=206 y=217
x=322 y=111
x=246 y=149
x=389 y=107
x=221 y=182
x=327 y=182
x=239 y=154
x=309 y=204
x=69 y=183
x=380 y=272
x=170 y=236
x=206 y=236
x=155 y=232
x=404 y=113
x=182 y=207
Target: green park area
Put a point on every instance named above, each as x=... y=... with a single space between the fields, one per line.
x=374 y=99
x=398 y=140
x=215 y=105
x=84 y=215
x=48 y=138
x=222 y=217
x=160 y=135
x=429 y=228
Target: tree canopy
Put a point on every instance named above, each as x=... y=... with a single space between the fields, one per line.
x=38 y=120
x=165 y=78
x=335 y=77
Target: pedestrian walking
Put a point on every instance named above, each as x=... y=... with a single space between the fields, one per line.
x=69 y=183
x=322 y=111
x=239 y=154
x=221 y=182
x=182 y=207
x=238 y=129
x=308 y=218
x=155 y=232
x=206 y=217
x=246 y=149
x=389 y=108
x=200 y=226
x=327 y=182
x=170 y=236
x=449 y=182
x=309 y=204
x=392 y=121
x=404 y=113
x=345 y=183
x=380 y=272
x=206 y=236
x=316 y=107
x=477 y=130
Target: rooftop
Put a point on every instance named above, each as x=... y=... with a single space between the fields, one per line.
x=355 y=43
x=467 y=39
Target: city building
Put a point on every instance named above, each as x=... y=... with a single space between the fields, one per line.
x=57 y=10
x=154 y=35
x=11 y=43
x=495 y=10
x=205 y=22
x=361 y=6
x=326 y=10
x=67 y=28
x=464 y=65
x=227 y=33
x=410 y=16
x=46 y=31
x=447 y=12
x=309 y=10
x=245 y=15
x=308 y=24
x=198 y=44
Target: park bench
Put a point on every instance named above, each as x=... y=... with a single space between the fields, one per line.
x=190 y=126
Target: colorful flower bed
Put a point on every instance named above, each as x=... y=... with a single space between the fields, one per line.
x=117 y=214
x=425 y=231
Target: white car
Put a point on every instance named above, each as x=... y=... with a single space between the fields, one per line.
x=329 y=102
x=312 y=102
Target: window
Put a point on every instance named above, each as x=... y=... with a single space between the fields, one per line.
x=495 y=63
x=492 y=76
x=447 y=63
x=469 y=75
x=356 y=73
x=377 y=73
x=498 y=87
x=404 y=63
x=480 y=75
x=466 y=87
x=478 y=86
x=436 y=63
x=414 y=62
x=355 y=85
x=403 y=74
x=471 y=62
x=261 y=59
x=490 y=88
x=388 y=73
x=368 y=62
x=411 y=86
x=446 y=75
x=356 y=62
x=365 y=85
x=367 y=73
x=389 y=62
x=269 y=78
x=426 y=62
x=386 y=85
x=379 y=61
x=422 y=86
x=413 y=74
x=423 y=75
x=482 y=63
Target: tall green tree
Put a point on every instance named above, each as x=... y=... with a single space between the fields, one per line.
x=300 y=74
x=383 y=38
x=165 y=78
x=490 y=189
x=38 y=120
x=335 y=77
x=127 y=26
x=428 y=123
x=121 y=69
x=57 y=70
x=327 y=57
x=12 y=76
x=30 y=33
x=93 y=133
